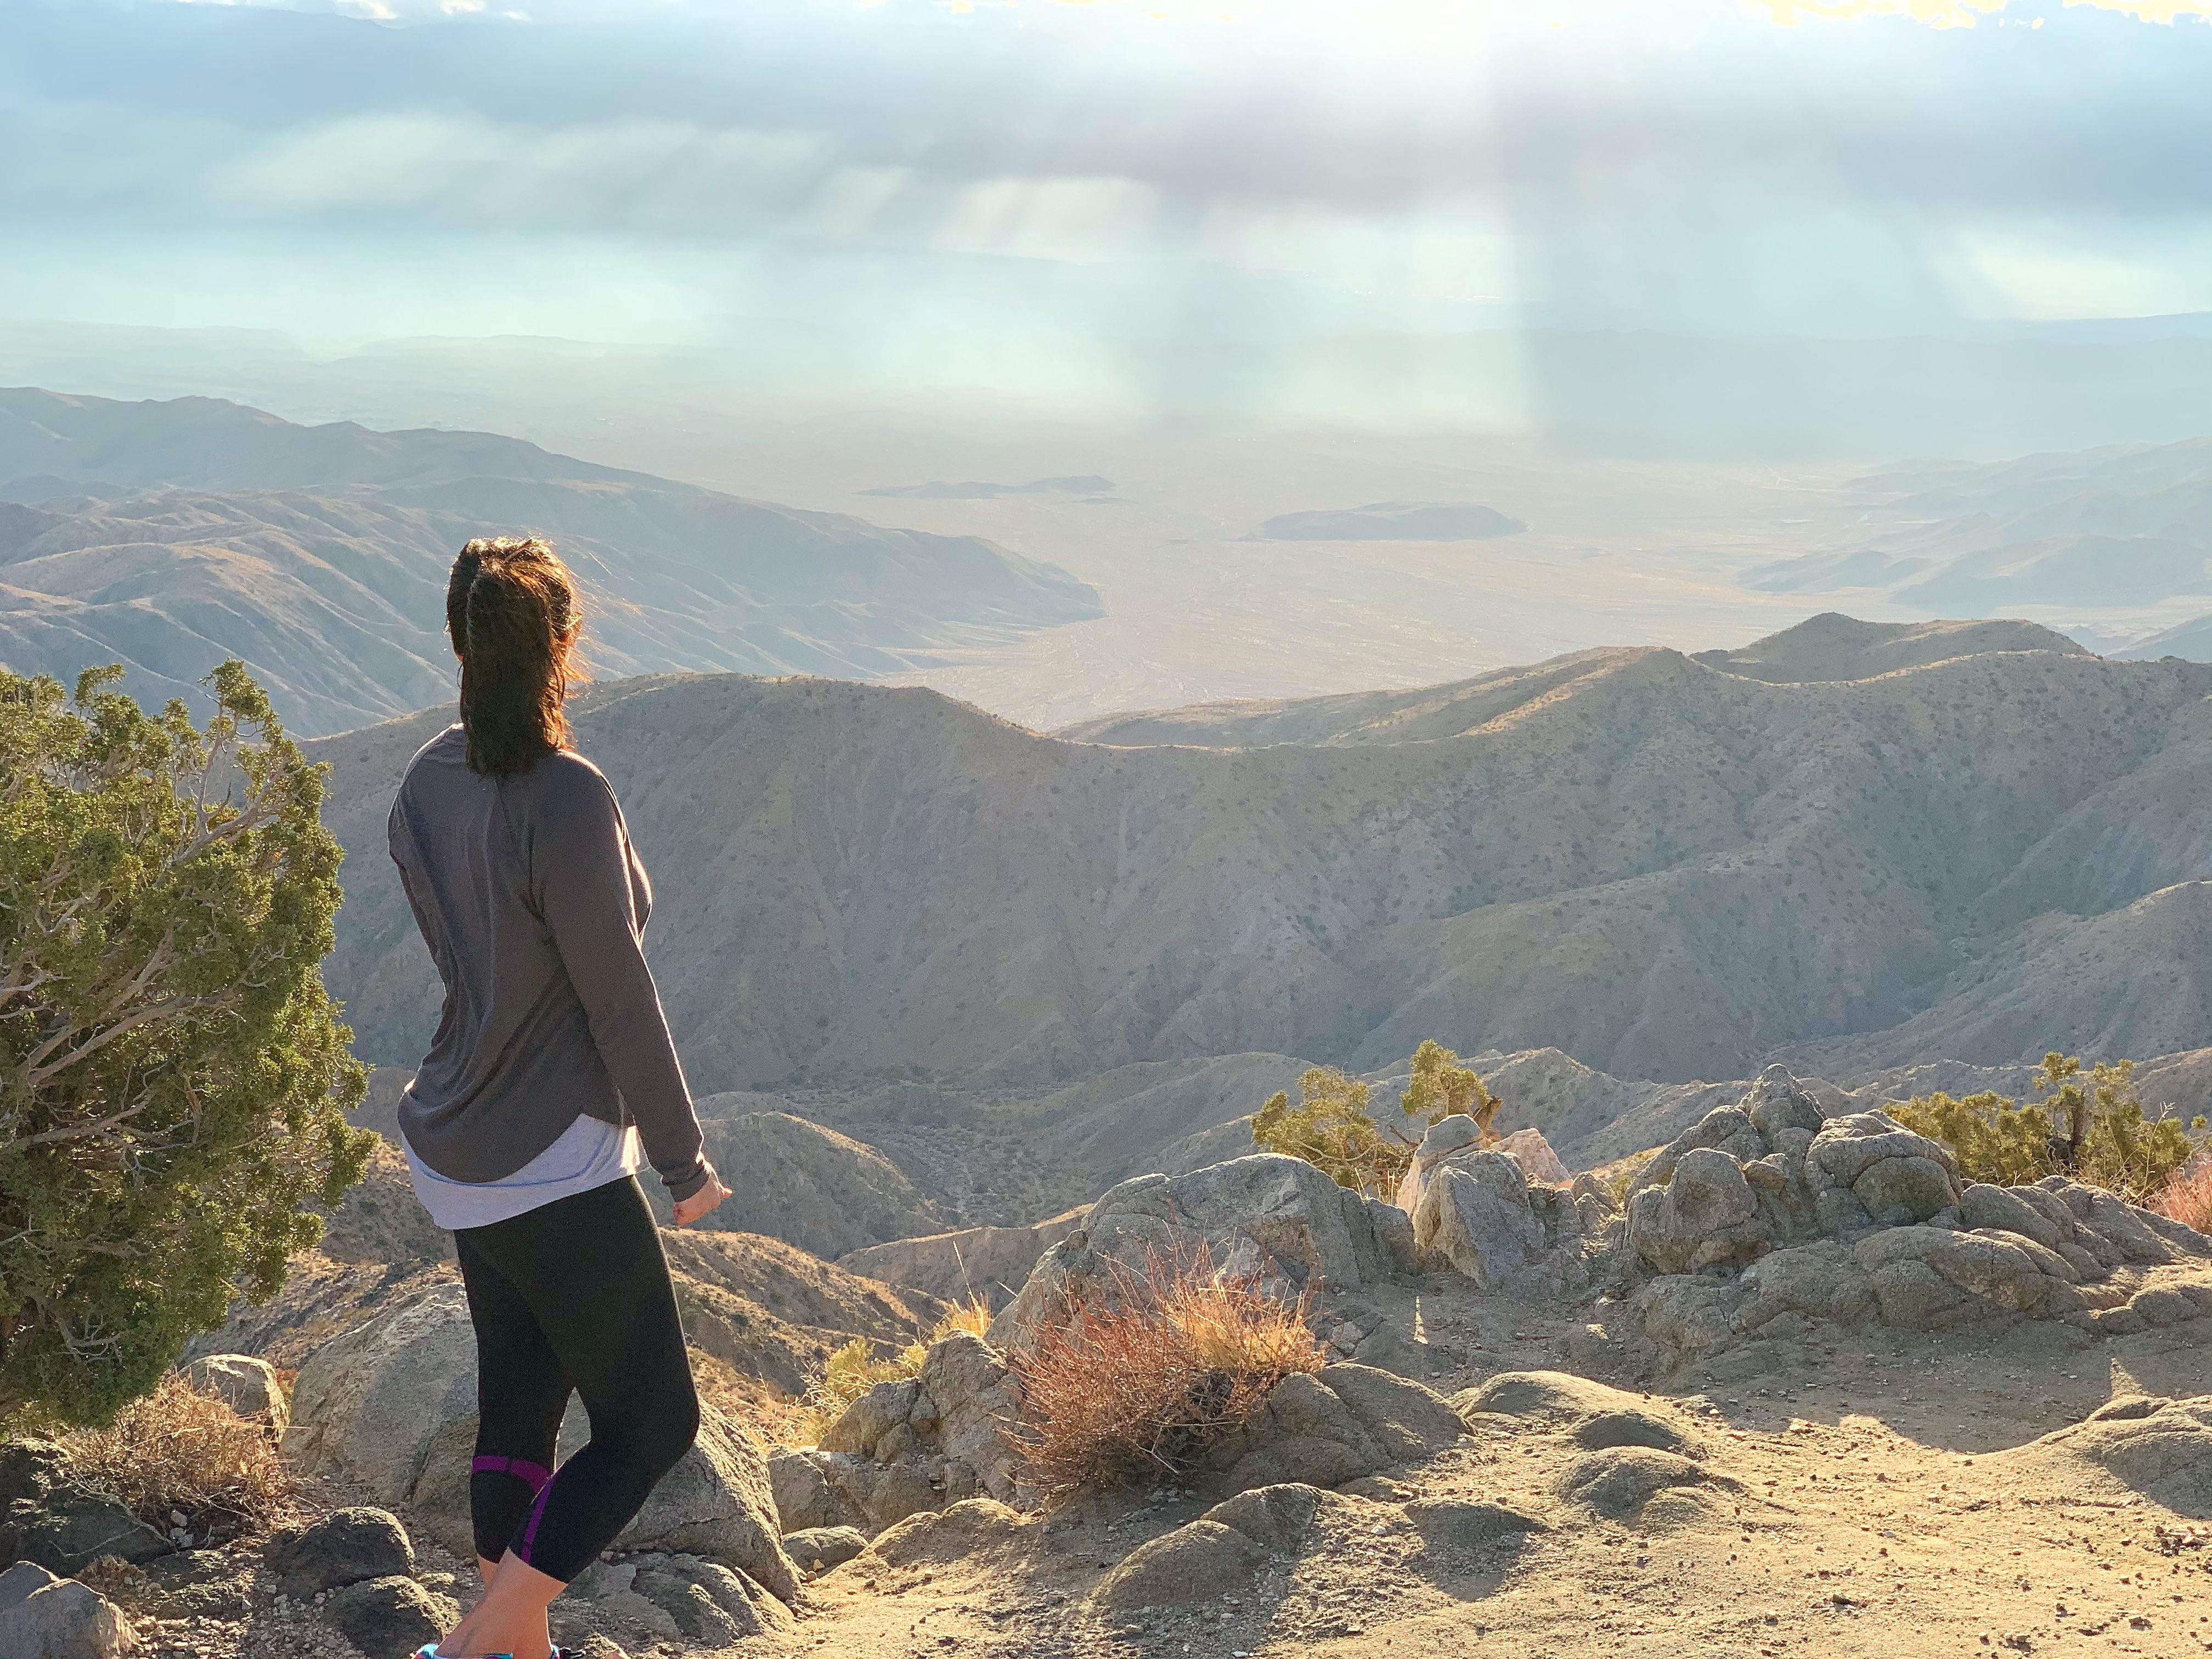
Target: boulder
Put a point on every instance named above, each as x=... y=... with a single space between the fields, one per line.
x=42 y=1617
x=1930 y=1277
x=1539 y=1163
x=1272 y=1218
x=1554 y=1396
x=1218 y=1553
x=247 y=1384
x=918 y=1443
x=804 y=1499
x=389 y=1615
x=1618 y=1483
x=1406 y=1421
x=390 y=1405
x=67 y=1529
x=819 y=1548
x=344 y=1547
x=1474 y=1212
x=1706 y=1216
x=369 y=1404
x=1197 y=1561
x=1462 y=1527
x=713 y=1605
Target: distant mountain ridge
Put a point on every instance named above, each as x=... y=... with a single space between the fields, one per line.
x=1664 y=869
x=2121 y=524
x=170 y=535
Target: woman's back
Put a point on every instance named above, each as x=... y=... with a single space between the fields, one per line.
x=533 y=903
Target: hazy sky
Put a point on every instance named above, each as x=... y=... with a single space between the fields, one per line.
x=957 y=179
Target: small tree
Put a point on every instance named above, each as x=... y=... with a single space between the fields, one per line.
x=2089 y=1126
x=173 y=1079
x=1332 y=1128
x=1441 y=1088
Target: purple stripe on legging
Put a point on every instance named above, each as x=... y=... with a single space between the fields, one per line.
x=532 y=1475
x=536 y=1514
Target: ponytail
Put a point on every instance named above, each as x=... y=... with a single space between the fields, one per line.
x=511 y=608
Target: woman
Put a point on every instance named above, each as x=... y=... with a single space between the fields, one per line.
x=550 y=1082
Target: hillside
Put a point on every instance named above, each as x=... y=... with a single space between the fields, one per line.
x=1667 y=871
x=168 y=535
x=1824 y=647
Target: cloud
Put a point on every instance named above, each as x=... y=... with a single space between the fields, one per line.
x=1685 y=162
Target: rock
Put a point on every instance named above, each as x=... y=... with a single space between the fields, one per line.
x=715 y=1503
x=1474 y=1212
x=1443 y=1138
x=991 y=1262
x=1551 y=1395
x=889 y=1494
x=2164 y=1453
x=389 y=1615
x=804 y=1499
x=371 y=1403
x=1778 y=1102
x=1269 y=1217
x=597 y=1646
x=2163 y=1305
x=863 y=1423
x=248 y=1385
x=42 y=1617
x=31 y=1467
x=712 y=1604
x=1304 y=1432
x=343 y=1547
x=1407 y=1421
x=1276 y=1517
x=1538 y=1164
x=2001 y=1209
x=967 y=1398
x=977 y=1531
x=1704 y=1216
x=392 y=1405
x=1618 y=1483
x=23 y=1579
x=67 y=1530
x=1196 y=1562
x=1632 y=1425
x=1460 y=1527
x=1929 y=1278
x=819 y=1548
x=1822 y=1280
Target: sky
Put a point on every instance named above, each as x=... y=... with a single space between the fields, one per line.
x=961 y=189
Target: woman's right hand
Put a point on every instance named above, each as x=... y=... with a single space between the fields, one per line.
x=689 y=1210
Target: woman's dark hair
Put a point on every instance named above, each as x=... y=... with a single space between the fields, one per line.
x=511 y=607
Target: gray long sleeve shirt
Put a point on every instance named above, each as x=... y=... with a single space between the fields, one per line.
x=533 y=904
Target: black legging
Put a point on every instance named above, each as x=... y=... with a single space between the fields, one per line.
x=575 y=1294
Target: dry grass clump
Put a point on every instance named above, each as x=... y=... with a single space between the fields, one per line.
x=178 y=1451
x=1140 y=1388
x=851 y=1371
x=2187 y=1196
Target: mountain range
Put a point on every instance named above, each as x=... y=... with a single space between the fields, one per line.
x=1988 y=843
x=2124 y=524
x=169 y=535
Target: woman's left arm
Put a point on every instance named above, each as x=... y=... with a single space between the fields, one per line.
x=580 y=879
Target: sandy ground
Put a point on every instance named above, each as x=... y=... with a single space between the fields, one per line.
x=1861 y=1496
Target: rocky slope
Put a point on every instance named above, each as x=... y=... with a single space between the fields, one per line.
x=168 y=535
x=1667 y=870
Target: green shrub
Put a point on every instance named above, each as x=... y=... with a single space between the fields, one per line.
x=2088 y=1127
x=173 y=1076
x=1332 y=1128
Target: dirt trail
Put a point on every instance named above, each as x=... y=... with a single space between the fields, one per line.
x=1859 y=1495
